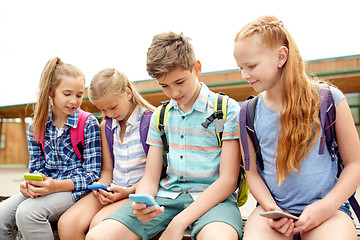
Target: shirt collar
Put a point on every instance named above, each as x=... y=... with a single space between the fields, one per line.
x=134 y=117
x=72 y=120
x=200 y=102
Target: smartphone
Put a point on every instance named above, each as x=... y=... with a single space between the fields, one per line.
x=277 y=215
x=34 y=177
x=96 y=187
x=143 y=198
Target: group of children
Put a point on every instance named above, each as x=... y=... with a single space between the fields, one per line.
x=199 y=188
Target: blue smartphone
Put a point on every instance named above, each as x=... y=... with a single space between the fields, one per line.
x=96 y=187
x=143 y=198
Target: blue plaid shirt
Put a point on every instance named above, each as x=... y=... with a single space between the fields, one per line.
x=61 y=161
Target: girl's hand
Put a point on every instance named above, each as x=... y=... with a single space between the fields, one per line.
x=146 y=214
x=96 y=193
x=314 y=215
x=41 y=188
x=24 y=189
x=284 y=225
x=113 y=194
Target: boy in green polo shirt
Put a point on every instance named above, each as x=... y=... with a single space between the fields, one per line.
x=201 y=175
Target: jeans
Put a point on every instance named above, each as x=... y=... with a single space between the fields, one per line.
x=32 y=216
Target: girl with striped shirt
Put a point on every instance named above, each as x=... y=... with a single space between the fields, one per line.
x=112 y=93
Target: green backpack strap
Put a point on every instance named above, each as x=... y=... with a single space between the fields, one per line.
x=161 y=117
x=219 y=115
x=243 y=188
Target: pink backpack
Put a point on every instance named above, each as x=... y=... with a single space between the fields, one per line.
x=76 y=135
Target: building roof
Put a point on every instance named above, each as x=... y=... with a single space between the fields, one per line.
x=344 y=72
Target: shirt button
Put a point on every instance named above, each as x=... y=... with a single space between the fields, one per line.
x=181 y=177
x=181 y=156
x=183 y=117
x=181 y=136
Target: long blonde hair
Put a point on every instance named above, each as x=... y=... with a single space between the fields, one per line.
x=50 y=79
x=111 y=82
x=300 y=124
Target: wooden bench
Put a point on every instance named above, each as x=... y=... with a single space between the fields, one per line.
x=17 y=234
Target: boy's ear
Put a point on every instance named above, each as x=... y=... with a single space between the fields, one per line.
x=197 y=68
x=282 y=56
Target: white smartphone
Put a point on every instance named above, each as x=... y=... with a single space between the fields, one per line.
x=277 y=215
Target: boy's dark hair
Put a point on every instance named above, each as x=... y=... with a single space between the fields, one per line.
x=167 y=52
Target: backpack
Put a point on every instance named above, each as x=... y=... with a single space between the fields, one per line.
x=327 y=117
x=143 y=130
x=219 y=116
x=76 y=136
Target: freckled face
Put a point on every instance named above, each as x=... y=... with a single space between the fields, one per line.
x=258 y=63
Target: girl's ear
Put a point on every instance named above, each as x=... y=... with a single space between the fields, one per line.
x=51 y=93
x=129 y=93
x=282 y=56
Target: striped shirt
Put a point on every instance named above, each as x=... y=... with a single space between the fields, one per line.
x=130 y=157
x=194 y=152
x=61 y=161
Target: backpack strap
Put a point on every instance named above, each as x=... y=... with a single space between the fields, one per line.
x=328 y=117
x=246 y=125
x=161 y=117
x=109 y=133
x=144 y=129
x=76 y=136
x=219 y=115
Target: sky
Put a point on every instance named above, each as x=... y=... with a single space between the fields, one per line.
x=94 y=34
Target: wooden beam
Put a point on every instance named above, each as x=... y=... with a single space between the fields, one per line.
x=24 y=137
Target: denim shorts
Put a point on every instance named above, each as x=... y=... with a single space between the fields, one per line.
x=346 y=209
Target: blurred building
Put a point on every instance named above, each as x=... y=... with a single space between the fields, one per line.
x=344 y=72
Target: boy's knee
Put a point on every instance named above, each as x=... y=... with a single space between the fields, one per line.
x=95 y=234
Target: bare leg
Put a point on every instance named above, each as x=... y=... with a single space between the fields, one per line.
x=339 y=226
x=107 y=210
x=74 y=223
x=111 y=230
x=257 y=227
x=217 y=230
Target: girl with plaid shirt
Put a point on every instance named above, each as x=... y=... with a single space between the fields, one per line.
x=65 y=177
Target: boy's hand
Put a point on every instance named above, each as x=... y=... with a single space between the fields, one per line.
x=146 y=214
x=174 y=231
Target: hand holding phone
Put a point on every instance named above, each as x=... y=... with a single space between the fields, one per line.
x=96 y=187
x=143 y=198
x=33 y=177
x=277 y=215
